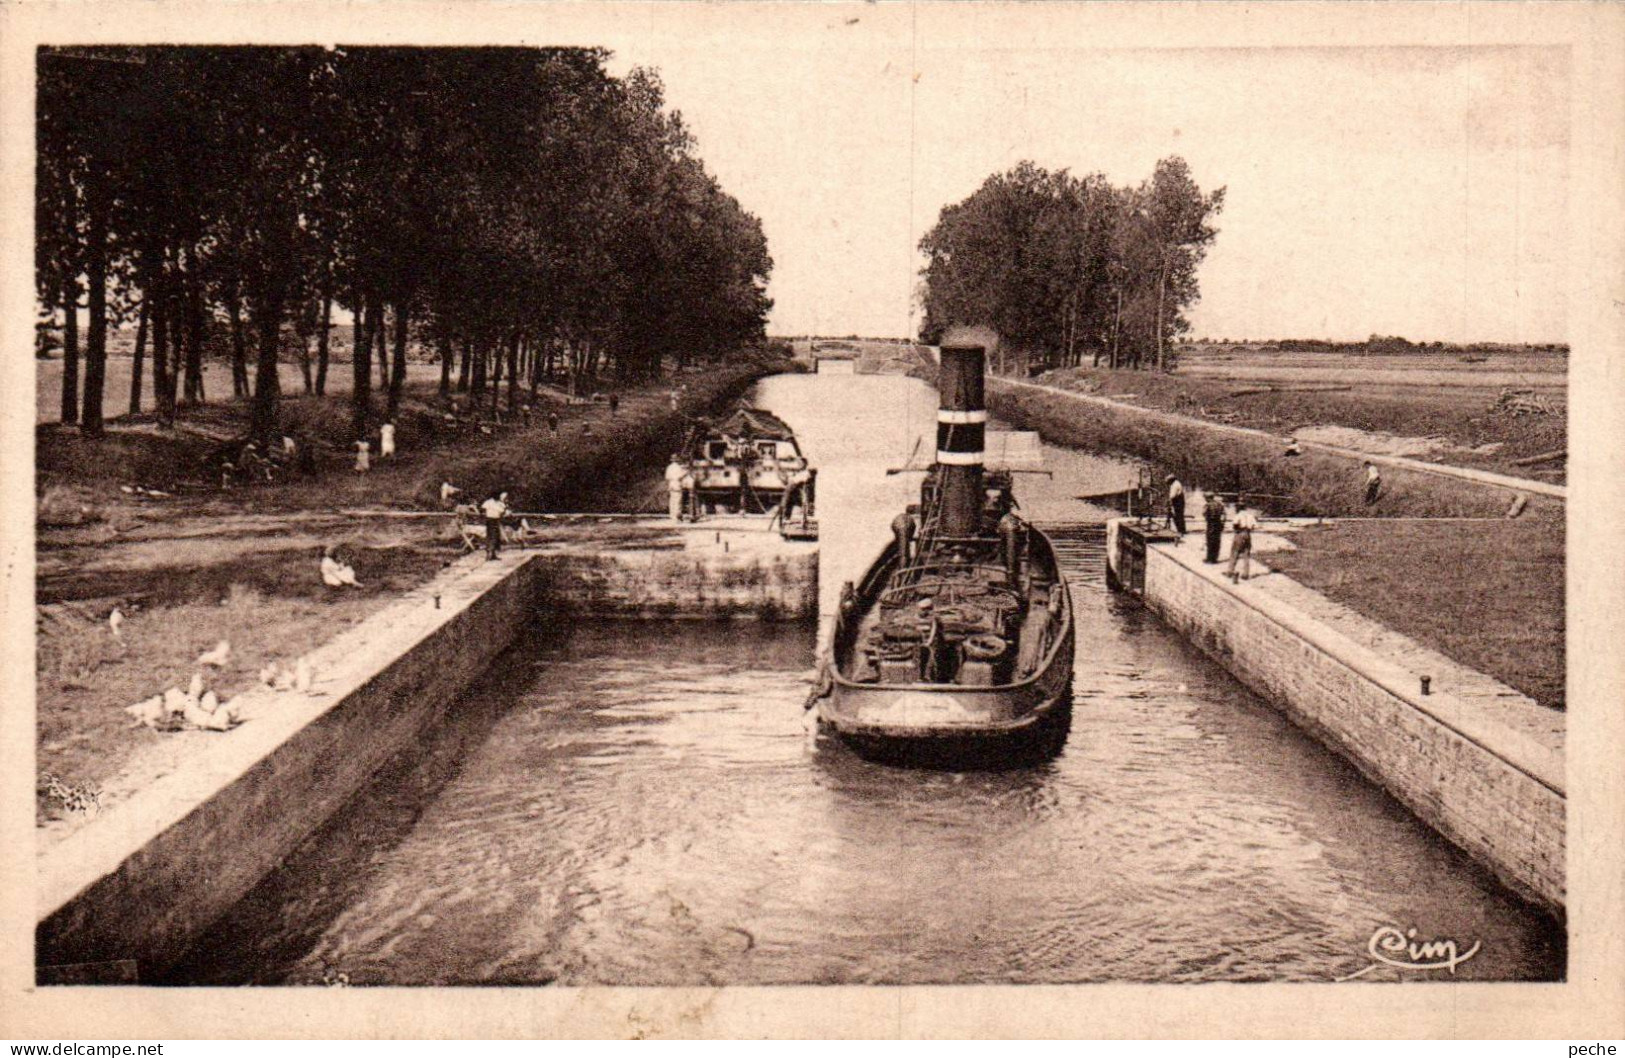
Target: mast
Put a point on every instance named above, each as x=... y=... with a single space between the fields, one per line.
x=961 y=430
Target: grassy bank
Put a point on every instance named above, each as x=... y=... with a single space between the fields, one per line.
x=1476 y=434
x=1488 y=595
x=1311 y=484
x=240 y=563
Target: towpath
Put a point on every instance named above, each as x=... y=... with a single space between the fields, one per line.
x=1481 y=477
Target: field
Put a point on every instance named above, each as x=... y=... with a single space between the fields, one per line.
x=216 y=382
x=1521 y=368
x=1441 y=410
x=207 y=562
x=1489 y=595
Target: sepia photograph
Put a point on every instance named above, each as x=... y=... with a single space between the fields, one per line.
x=901 y=495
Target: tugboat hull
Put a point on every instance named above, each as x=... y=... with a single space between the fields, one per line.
x=958 y=641
x=919 y=722
x=944 y=728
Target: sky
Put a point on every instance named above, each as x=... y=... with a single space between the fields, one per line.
x=1419 y=191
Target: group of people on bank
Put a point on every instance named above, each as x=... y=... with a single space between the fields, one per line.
x=1214 y=515
x=1242 y=523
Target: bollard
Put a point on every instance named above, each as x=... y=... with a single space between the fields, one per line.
x=725 y=547
x=1427 y=682
x=719 y=537
x=437 y=600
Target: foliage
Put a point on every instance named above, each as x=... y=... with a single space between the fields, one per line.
x=519 y=206
x=1062 y=267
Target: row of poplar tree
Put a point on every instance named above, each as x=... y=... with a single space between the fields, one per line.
x=521 y=211
x=1067 y=267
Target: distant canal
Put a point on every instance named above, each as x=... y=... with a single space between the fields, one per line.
x=644 y=804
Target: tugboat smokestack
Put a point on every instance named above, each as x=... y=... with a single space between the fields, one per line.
x=961 y=435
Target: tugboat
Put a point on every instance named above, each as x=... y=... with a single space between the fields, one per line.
x=750 y=463
x=957 y=643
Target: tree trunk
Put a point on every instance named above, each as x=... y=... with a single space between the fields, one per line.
x=466 y=366
x=397 y=376
x=90 y=423
x=140 y=354
x=497 y=351
x=239 y=350
x=304 y=364
x=513 y=372
x=194 y=335
x=380 y=334
x=322 y=341
x=443 y=340
x=177 y=322
x=70 y=350
x=361 y=371
x=185 y=332
x=267 y=387
x=162 y=402
x=1117 y=326
x=1162 y=286
x=476 y=385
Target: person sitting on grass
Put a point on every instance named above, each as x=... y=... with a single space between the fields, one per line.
x=337 y=574
x=1373 y=483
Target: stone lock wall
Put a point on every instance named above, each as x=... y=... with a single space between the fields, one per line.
x=1488 y=791
x=681 y=584
x=141 y=882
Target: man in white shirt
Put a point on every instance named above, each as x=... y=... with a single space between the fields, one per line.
x=1373 y=483
x=1241 y=543
x=494 y=509
x=1176 y=504
x=675 y=473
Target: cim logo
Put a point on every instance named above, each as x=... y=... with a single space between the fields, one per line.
x=1390 y=946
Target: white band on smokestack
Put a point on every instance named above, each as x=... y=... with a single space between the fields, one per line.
x=958 y=418
x=959 y=459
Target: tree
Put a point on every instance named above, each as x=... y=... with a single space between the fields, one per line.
x=1060 y=265
x=521 y=205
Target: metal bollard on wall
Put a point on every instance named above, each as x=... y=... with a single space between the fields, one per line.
x=1427 y=683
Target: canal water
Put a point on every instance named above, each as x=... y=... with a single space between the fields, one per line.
x=645 y=804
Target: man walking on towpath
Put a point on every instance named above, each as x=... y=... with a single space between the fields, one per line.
x=1213 y=514
x=1176 y=504
x=495 y=508
x=1241 y=544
